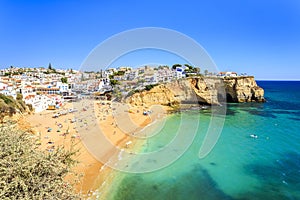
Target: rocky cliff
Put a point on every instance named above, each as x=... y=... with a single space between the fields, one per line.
x=243 y=89
x=201 y=90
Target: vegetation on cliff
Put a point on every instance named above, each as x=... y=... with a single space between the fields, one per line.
x=9 y=106
x=26 y=172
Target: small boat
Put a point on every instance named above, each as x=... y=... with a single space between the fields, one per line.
x=55 y=116
x=253 y=136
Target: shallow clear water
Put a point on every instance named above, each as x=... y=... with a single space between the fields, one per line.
x=239 y=167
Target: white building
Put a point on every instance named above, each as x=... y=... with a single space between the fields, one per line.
x=41 y=102
x=63 y=87
x=227 y=74
x=8 y=90
x=179 y=72
x=3 y=86
x=27 y=90
x=104 y=84
x=231 y=74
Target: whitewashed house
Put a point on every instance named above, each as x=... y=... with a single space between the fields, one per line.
x=63 y=87
x=8 y=90
x=179 y=72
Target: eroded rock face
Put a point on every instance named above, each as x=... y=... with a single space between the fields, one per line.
x=207 y=89
x=199 y=90
x=161 y=95
x=243 y=89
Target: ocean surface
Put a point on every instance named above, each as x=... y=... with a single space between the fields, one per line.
x=239 y=166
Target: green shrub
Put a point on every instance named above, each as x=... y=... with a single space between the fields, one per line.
x=149 y=87
x=7 y=99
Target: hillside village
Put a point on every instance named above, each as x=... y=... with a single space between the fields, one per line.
x=48 y=88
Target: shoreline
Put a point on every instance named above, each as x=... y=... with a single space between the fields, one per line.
x=116 y=177
x=62 y=131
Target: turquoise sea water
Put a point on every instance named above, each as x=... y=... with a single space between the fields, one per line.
x=239 y=167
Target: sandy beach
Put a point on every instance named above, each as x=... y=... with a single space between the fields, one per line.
x=118 y=123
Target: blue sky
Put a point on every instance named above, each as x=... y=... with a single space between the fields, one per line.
x=258 y=37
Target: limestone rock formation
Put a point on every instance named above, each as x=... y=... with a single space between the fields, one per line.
x=161 y=95
x=200 y=90
x=243 y=89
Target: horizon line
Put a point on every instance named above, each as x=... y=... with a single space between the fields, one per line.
x=277 y=79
